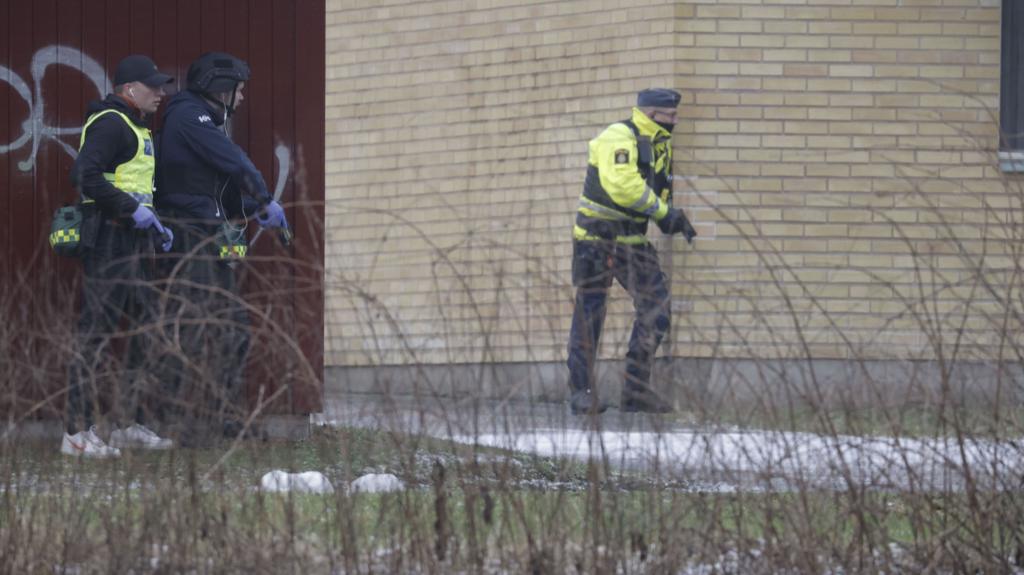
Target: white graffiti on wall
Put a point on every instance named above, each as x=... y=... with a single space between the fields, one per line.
x=35 y=129
x=284 y=163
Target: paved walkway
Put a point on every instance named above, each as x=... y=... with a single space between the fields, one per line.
x=725 y=458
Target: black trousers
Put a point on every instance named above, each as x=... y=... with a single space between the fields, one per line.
x=209 y=320
x=595 y=265
x=117 y=290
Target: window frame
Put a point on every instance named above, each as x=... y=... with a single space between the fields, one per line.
x=1011 y=88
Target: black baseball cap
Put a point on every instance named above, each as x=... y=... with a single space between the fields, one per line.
x=139 y=68
x=658 y=98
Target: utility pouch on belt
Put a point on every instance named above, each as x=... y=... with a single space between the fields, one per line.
x=73 y=230
x=231 y=242
x=66 y=231
x=604 y=229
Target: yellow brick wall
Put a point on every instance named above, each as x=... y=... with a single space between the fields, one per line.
x=827 y=151
x=851 y=150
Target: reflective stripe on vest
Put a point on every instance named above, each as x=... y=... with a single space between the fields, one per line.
x=134 y=177
x=580 y=233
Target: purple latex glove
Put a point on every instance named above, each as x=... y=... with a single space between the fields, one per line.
x=272 y=216
x=167 y=239
x=145 y=219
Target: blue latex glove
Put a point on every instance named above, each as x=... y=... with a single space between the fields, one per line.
x=168 y=239
x=272 y=216
x=144 y=218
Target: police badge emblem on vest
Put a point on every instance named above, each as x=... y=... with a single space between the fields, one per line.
x=621 y=156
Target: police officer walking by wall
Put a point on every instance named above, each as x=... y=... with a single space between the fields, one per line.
x=628 y=183
x=209 y=190
x=114 y=174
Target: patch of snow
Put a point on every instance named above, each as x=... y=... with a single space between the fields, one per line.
x=305 y=482
x=377 y=483
x=803 y=457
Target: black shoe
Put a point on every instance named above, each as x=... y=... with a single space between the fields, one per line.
x=644 y=400
x=583 y=401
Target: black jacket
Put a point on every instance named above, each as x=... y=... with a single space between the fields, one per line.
x=199 y=169
x=109 y=142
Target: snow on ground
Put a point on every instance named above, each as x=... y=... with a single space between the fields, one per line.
x=799 y=458
x=278 y=481
x=723 y=458
x=377 y=483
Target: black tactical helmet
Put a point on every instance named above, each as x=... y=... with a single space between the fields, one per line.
x=216 y=72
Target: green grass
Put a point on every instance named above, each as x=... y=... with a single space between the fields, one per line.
x=467 y=509
x=231 y=529
x=341 y=454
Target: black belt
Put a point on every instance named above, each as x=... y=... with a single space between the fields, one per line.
x=610 y=229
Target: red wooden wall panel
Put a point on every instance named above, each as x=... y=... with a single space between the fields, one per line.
x=119 y=34
x=188 y=28
x=142 y=24
x=280 y=124
x=69 y=115
x=309 y=198
x=7 y=134
x=44 y=33
x=280 y=277
x=20 y=183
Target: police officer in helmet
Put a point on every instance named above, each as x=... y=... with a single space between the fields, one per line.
x=210 y=192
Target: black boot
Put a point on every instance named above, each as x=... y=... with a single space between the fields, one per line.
x=644 y=399
x=583 y=401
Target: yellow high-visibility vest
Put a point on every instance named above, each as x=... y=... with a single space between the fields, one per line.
x=134 y=177
x=618 y=199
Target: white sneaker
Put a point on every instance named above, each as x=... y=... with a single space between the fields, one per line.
x=87 y=444
x=139 y=436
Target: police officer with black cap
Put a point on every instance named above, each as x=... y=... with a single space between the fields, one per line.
x=210 y=191
x=628 y=183
x=114 y=173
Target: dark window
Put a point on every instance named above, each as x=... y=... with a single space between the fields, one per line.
x=1011 y=92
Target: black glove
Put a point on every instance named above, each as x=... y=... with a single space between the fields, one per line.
x=675 y=222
